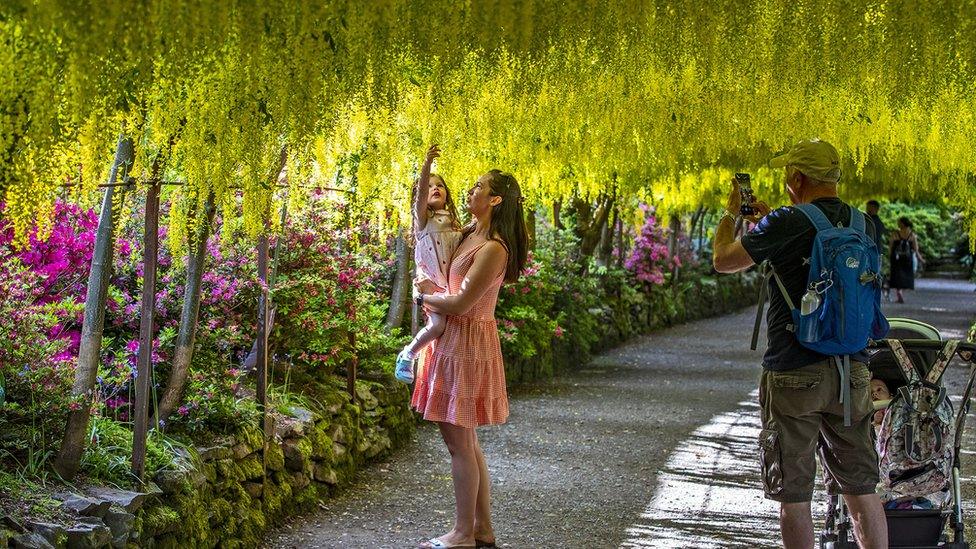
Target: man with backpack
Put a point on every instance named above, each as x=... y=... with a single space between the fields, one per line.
x=814 y=400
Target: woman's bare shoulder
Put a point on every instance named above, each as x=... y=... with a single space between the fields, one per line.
x=492 y=251
x=495 y=247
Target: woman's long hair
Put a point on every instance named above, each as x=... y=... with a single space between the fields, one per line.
x=449 y=205
x=508 y=222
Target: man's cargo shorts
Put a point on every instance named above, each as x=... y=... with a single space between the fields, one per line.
x=801 y=414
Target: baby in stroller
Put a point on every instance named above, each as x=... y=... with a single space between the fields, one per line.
x=881 y=397
x=917 y=438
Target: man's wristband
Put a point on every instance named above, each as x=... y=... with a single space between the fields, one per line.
x=728 y=214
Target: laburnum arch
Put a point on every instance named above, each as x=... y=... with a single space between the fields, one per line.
x=660 y=100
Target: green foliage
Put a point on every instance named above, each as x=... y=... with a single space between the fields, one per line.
x=36 y=384
x=940 y=230
x=23 y=496
x=527 y=321
x=214 y=401
x=574 y=296
x=108 y=458
x=566 y=95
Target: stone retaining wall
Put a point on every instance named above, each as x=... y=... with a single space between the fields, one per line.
x=229 y=492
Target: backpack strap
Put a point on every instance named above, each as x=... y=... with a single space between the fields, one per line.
x=843 y=364
x=857 y=220
x=820 y=221
x=765 y=271
x=903 y=360
x=939 y=366
x=816 y=216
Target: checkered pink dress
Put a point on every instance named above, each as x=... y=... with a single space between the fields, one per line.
x=461 y=377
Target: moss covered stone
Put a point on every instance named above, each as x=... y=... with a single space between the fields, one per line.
x=321 y=445
x=160 y=520
x=364 y=395
x=298 y=453
x=248 y=468
x=251 y=437
x=251 y=467
x=220 y=510
x=334 y=401
x=275 y=458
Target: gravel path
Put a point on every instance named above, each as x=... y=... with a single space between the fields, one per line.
x=582 y=455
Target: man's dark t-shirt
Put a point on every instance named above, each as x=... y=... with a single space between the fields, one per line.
x=879 y=232
x=785 y=238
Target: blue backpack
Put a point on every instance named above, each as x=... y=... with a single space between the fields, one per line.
x=841 y=309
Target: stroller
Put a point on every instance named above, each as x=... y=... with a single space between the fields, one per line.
x=915 y=528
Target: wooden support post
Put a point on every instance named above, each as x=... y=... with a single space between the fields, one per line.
x=144 y=365
x=352 y=367
x=262 y=343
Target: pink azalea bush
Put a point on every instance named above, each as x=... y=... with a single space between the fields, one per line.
x=330 y=270
x=41 y=314
x=650 y=260
x=326 y=289
x=525 y=313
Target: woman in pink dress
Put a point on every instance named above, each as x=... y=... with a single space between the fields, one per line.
x=460 y=382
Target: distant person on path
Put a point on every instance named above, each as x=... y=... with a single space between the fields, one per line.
x=798 y=392
x=880 y=233
x=461 y=379
x=436 y=233
x=904 y=253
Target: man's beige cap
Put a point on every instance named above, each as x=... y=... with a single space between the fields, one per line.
x=814 y=158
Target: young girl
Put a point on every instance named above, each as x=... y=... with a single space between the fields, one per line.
x=437 y=232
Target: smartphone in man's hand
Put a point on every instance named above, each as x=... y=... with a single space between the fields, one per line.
x=745 y=192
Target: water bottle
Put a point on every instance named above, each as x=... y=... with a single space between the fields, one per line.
x=810 y=302
x=809 y=329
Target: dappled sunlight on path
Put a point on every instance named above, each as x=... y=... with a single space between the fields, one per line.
x=709 y=493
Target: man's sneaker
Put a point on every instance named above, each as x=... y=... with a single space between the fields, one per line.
x=404 y=367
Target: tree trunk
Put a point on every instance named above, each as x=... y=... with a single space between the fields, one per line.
x=699 y=215
x=621 y=252
x=590 y=221
x=675 y=230
x=89 y=352
x=557 y=207
x=701 y=230
x=606 y=240
x=183 y=353
x=147 y=306
x=400 y=298
x=530 y=227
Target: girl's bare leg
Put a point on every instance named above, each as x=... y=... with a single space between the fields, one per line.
x=433 y=330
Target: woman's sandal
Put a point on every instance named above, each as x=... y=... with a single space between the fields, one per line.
x=434 y=543
x=486 y=544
